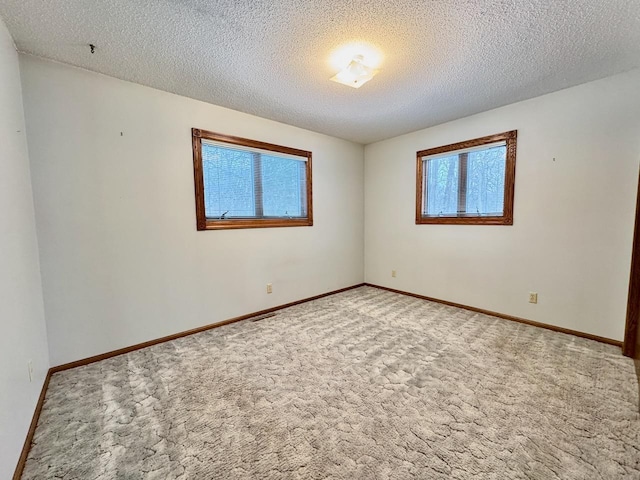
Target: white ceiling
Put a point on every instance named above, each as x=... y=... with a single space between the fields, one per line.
x=443 y=59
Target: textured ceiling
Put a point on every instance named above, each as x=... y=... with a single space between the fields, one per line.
x=443 y=59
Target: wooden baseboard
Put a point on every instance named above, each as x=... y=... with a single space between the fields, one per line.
x=138 y=346
x=32 y=428
x=597 y=338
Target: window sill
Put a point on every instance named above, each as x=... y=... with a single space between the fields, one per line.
x=269 y=223
x=464 y=221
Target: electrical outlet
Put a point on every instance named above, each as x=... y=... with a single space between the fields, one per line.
x=533 y=297
x=269 y=288
x=30 y=367
x=393 y=273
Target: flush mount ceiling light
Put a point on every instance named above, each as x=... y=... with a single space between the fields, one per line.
x=356 y=62
x=356 y=74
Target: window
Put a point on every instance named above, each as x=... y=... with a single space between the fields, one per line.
x=468 y=183
x=243 y=183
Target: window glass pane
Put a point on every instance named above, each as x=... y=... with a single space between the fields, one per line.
x=243 y=183
x=228 y=182
x=283 y=187
x=468 y=183
x=485 y=181
x=442 y=186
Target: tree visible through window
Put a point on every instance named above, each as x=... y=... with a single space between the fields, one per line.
x=469 y=182
x=243 y=183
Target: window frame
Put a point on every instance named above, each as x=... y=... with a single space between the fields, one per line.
x=204 y=223
x=510 y=138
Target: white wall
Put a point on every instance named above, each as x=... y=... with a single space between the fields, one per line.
x=573 y=223
x=122 y=261
x=22 y=323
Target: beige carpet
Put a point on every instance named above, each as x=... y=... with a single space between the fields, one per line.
x=365 y=384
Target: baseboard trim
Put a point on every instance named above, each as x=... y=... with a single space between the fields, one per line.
x=138 y=346
x=576 y=333
x=32 y=428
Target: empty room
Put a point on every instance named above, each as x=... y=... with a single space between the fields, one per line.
x=320 y=240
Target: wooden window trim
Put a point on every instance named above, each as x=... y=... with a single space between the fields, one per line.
x=203 y=223
x=469 y=219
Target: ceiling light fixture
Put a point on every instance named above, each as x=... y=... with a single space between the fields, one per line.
x=356 y=74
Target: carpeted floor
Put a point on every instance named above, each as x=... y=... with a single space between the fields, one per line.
x=365 y=384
